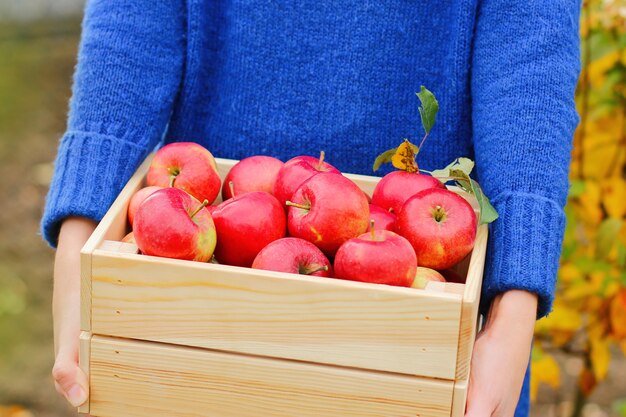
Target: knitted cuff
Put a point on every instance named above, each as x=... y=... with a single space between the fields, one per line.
x=524 y=248
x=90 y=171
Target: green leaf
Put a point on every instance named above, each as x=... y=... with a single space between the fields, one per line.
x=488 y=213
x=428 y=109
x=621 y=255
x=576 y=188
x=607 y=236
x=619 y=407
x=463 y=164
x=587 y=265
x=384 y=158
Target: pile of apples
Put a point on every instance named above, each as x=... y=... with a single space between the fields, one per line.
x=302 y=216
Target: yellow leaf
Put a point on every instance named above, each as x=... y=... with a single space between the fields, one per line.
x=614 y=196
x=599 y=68
x=579 y=291
x=544 y=370
x=404 y=158
x=560 y=325
x=618 y=316
x=600 y=357
x=569 y=273
x=590 y=203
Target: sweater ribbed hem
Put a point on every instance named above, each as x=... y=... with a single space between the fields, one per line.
x=90 y=171
x=524 y=248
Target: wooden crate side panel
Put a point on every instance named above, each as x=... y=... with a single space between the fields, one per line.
x=471 y=301
x=280 y=315
x=111 y=227
x=84 y=355
x=141 y=379
x=459 y=399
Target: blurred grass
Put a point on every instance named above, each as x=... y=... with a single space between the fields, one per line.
x=36 y=63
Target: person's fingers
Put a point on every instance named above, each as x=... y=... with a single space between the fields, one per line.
x=70 y=381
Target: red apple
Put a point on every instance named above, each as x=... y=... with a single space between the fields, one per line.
x=246 y=224
x=327 y=210
x=440 y=225
x=256 y=173
x=380 y=257
x=425 y=275
x=137 y=199
x=187 y=166
x=129 y=238
x=293 y=255
x=398 y=186
x=173 y=224
x=382 y=219
x=295 y=172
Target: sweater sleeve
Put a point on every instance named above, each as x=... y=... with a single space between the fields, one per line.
x=525 y=66
x=128 y=74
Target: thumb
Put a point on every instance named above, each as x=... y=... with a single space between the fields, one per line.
x=69 y=380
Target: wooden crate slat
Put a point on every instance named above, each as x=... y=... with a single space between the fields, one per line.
x=111 y=227
x=471 y=301
x=313 y=319
x=186 y=382
x=84 y=363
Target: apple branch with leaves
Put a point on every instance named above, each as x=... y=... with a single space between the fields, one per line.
x=404 y=158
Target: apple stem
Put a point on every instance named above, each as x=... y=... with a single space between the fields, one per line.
x=372 y=230
x=322 y=155
x=232 y=188
x=296 y=205
x=203 y=205
x=172 y=179
x=306 y=271
x=439 y=213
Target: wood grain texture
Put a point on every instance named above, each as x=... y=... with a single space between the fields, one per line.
x=471 y=301
x=113 y=226
x=84 y=356
x=459 y=399
x=266 y=313
x=141 y=379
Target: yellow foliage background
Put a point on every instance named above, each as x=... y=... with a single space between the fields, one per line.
x=589 y=317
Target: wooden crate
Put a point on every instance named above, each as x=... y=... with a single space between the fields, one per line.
x=164 y=337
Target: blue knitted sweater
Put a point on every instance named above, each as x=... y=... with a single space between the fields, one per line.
x=288 y=78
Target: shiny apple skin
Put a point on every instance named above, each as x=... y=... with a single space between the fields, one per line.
x=164 y=227
x=137 y=199
x=246 y=224
x=293 y=255
x=295 y=172
x=438 y=244
x=388 y=258
x=256 y=173
x=395 y=188
x=338 y=211
x=425 y=275
x=197 y=171
x=383 y=219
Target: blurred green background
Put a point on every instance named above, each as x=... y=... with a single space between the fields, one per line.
x=578 y=358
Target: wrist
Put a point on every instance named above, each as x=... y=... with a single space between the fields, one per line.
x=513 y=310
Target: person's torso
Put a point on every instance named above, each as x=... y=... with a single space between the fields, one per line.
x=293 y=78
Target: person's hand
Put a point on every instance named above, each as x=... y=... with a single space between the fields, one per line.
x=69 y=380
x=501 y=355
